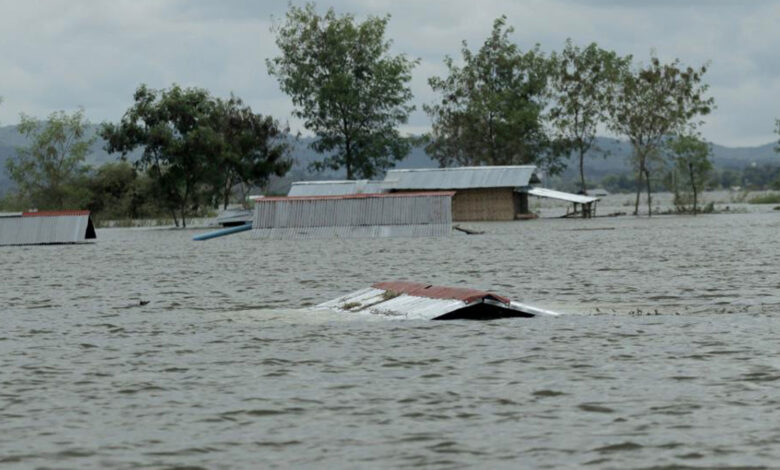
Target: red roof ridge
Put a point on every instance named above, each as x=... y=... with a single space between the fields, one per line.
x=55 y=213
x=417 y=289
x=356 y=196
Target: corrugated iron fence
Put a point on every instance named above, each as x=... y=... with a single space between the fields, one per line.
x=38 y=228
x=355 y=216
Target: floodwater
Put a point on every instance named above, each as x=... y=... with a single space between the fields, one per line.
x=668 y=355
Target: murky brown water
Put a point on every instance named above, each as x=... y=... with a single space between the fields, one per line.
x=225 y=367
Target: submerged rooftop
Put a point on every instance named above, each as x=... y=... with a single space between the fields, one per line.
x=465 y=177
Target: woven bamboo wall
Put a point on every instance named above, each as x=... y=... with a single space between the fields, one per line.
x=483 y=204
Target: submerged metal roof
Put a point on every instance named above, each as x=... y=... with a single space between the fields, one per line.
x=466 y=177
x=334 y=188
x=410 y=300
x=46 y=227
x=552 y=194
x=354 y=216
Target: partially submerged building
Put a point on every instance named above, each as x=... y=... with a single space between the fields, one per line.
x=412 y=214
x=334 y=187
x=45 y=227
x=411 y=300
x=482 y=193
x=582 y=206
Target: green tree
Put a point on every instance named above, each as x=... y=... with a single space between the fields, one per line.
x=655 y=102
x=254 y=147
x=346 y=87
x=691 y=159
x=47 y=171
x=175 y=129
x=777 y=130
x=196 y=146
x=119 y=192
x=490 y=110
x=582 y=83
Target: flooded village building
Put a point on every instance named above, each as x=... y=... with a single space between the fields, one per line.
x=412 y=214
x=482 y=193
x=45 y=227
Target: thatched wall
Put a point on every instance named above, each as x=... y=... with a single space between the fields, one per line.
x=484 y=204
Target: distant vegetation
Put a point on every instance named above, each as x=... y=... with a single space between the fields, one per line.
x=180 y=152
x=766 y=199
x=197 y=148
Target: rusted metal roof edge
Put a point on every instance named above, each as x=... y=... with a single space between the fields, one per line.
x=465 y=294
x=55 y=213
x=357 y=196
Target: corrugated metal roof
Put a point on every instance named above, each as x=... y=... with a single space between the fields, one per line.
x=466 y=177
x=405 y=300
x=37 y=228
x=438 y=292
x=354 y=216
x=234 y=217
x=550 y=193
x=334 y=188
x=54 y=213
x=354 y=196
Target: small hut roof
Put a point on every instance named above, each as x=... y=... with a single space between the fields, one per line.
x=467 y=177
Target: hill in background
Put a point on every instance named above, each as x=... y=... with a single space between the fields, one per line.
x=597 y=166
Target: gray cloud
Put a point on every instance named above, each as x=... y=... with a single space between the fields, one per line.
x=63 y=54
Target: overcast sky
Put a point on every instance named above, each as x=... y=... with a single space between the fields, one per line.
x=59 y=55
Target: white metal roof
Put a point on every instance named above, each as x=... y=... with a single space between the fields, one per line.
x=466 y=177
x=31 y=228
x=550 y=193
x=334 y=188
x=376 y=301
x=372 y=301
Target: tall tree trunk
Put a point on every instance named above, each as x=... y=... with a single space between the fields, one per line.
x=693 y=187
x=638 y=191
x=348 y=157
x=226 y=194
x=582 y=172
x=183 y=206
x=649 y=199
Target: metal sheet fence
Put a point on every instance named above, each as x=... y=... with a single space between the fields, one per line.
x=405 y=215
x=34 y=230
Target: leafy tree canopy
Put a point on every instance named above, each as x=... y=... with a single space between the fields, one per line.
x=777 y=130
x=346 y=87
x=583 y=81
x=253 y=147
x=655 y=102
x=490 y=111
x=193 y=145
x=691 y=159
x=47 y=170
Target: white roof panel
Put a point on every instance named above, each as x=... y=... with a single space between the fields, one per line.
x=466 y=177
x=552 y=194
x=334 y=188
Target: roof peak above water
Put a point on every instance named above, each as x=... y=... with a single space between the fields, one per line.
x=463 y=177
x=335 y=181
x=464 y=168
